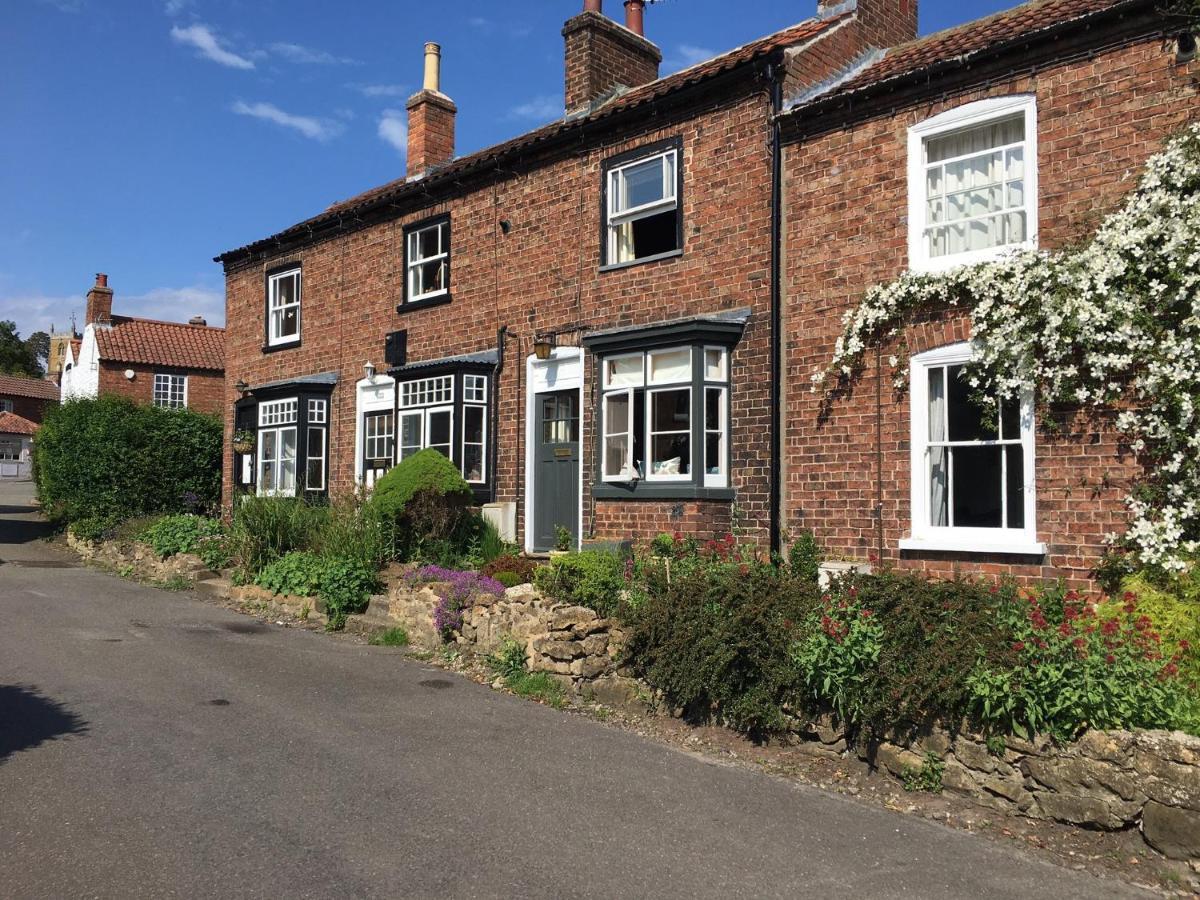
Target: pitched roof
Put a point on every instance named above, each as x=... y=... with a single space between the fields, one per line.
x=959 y=44
x=20 y=386
x=632 y=99
x=155 y=343
x=11 y=423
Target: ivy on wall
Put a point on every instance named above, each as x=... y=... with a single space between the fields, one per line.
x=1114 y=324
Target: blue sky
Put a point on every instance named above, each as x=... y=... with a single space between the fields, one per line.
x=143 y=137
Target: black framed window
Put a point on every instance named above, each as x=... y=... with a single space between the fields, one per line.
x=289 y=453
x=427 y=262
x=284 y=289
x=642 y=212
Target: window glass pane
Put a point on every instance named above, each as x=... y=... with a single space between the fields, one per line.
x=667 y=366
x=969 y=421
x=475 y=388
x=937 y=403
x=287 y=460
x=670 y=430
x=285 y=290
x=616 y=456
x=977 y=483
x=714 y=364
x=473 y=462
x=670 y=411
x=1010 y=420
x=410 y=434
x=617 y=409
x=714 y=437
x=939 y=474
x=671 y=454
x=976 y=139
x=314 y=473
x=439 y=430
x=473 y=424
x=647 y=236
x=643 y=183
x=1015 y=473
x=428 y=242
x=623 y=371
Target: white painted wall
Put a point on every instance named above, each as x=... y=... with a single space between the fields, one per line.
x=83 y=378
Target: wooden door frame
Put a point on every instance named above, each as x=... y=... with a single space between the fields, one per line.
x=563 y=371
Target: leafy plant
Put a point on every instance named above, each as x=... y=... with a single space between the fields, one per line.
x=591 y=578
x=928 y=777
x=521 y=566
x=343 y=585
x=509 y=658
x=562 y=537
x=839 y=655
x=805 y=558
x=509 y=579
x=353 y=529
x=426 y=497
x=94 y=528
x=172 y=535
x=268 y=528
x=539 y=686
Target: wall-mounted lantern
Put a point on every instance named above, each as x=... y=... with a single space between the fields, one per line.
x=543 y=345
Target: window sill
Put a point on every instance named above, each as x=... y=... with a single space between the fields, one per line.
x=967 y=545
x=649 y=490
x=936 y=264
x=424 y=303
x=613 y=267
x=275 y=348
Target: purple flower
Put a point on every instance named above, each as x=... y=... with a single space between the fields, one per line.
x=456 y=591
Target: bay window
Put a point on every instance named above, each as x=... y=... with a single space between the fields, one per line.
x=448 y=413
x=973 y=183
x=642 y=218
x=972 y=463
x=277 y=442
x=664 y=416
x=283 y=307
x=291 y=448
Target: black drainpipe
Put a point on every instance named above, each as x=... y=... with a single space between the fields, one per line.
x=493 y=451
x=776 y=488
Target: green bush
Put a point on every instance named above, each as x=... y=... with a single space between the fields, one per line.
x=94 y=528
x=353 y=529
x=805 y=558
x=508 y=579
x=268 y=528
x=591 y=578
x=425 y=491
x=718 y=642
x=521 y=566
x=109 y=457
x=343 y=585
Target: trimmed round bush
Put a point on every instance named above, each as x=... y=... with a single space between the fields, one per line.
x=426 y=498
x=425 y=472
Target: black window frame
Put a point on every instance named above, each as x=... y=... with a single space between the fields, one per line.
x=406 y=304
x=697 y=335
x=613 y=162
x=484 y=491
x=246 y=419
x=267 y=346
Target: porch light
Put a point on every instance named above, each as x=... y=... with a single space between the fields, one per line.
x=369 y=369
x=543 y=344
x=242 y=387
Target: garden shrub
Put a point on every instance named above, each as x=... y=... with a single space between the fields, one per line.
x=521 y=566
x=268 y=528
x=1173 y=606
x=805 y=558
x=111 y=458
x=353 y=529
x=718 y=641
x=1073 y=670
x=94 y=528
x=172 y=535
x=591 y=578
x=427 y=498
x=343 y=585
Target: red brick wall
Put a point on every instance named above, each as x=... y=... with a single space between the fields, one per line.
x=846 y=230
x=430 y=131
x=544 y=275
x=206 y=389
x=31 y=408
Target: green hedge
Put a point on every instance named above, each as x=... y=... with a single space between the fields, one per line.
x=110 y=458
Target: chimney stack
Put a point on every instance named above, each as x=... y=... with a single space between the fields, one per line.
x=430 y=119
x=603 y=56
x=99 y=302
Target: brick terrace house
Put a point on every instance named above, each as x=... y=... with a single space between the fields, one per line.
x=27 y=397
x=170 y=364
x=1019 y=130
x=581 y=317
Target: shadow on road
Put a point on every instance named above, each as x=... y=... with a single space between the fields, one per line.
x=28 y=719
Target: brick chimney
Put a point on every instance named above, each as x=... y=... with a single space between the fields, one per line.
x=886 y=22
x=430 y=119
x=99 y=301
x=602 y=55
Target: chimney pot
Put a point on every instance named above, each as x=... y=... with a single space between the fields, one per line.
x=635 y=16
x=433 y=67
x=101 y=280
x=596 y=6
x=197 y=320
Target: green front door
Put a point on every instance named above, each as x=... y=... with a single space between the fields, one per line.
x=555 y=468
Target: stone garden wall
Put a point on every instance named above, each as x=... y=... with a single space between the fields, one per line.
x=1107 y=780
x=139 y=560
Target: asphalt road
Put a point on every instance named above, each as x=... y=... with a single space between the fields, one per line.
x=152 y=745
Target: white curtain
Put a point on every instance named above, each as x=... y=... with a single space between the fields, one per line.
x=938 y=456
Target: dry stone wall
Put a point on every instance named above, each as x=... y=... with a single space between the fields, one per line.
x=139 y=560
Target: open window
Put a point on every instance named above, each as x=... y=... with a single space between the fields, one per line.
x=642 y=217
x=972 y=464
x=427 y=262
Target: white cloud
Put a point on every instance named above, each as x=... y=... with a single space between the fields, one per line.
x=309 y=126
x=175 y=7
x=393 y=129
x=382 y=90
x=512 y=29
x=542 y=108
x=40 y=312
x=67 y=6
x=301 y=55
x=205 y=40
x=688 y=55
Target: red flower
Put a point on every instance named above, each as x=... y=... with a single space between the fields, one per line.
x=1079 y=643
x=866 y=614
x=1065 y=629
x=677 y=536
x=1185 y=646
x=1129 y=597
x=1110 y=659
x=1110 y=627
x=1018 y=646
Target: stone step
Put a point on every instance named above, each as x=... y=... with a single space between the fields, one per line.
x=214 y=587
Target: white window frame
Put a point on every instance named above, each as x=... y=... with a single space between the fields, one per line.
x=277 y=417
x=430 y=411
x=273 y=280
x=413 y=263
x=967 y=116
x=481 y=444
x=400 y=446
x=926 y=536
x=165 y=396
x=324 y=457
x=372 y=439
x=651 y=434
x=613 y=218
x=6 y=404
